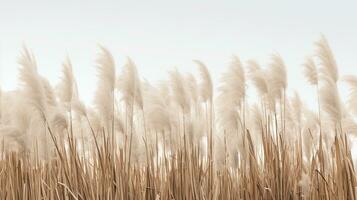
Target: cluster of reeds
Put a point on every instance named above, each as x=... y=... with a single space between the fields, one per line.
x=176 y=139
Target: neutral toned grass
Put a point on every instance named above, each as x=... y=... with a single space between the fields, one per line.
x=183 y=175
x=176 y=140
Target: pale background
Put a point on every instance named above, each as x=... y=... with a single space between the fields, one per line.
x=161 y=35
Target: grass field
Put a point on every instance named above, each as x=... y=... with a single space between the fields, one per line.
x=182 y=138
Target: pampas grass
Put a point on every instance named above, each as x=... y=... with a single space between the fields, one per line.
x=67 y=85
x=206 y=87
x=176 y=139
x=278 y=76
x=352 y=82
x=329 y=66
x=33 y=88
x=104 y=98
x=180 y=91
x=310 y=71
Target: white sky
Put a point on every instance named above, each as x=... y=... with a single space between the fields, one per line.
x=160 y=35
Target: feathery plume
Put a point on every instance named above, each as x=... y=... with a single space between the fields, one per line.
x=156 y=109
x=260 y=81
x=228 y=117
x=129 y=85
x=32 y=84
x=206 y=87
x=19 y=116
x=232 y=86
x=106 y=68
x=104 y=98
x=66 y=87
x=310 y=71
x=230 y=100
x=79 y=107
x=59 y=122
x=258 y=78
x=252 y=66
x=278 y=77
x=328 y=63
x=256 y=117
x=297 y=109
x=310 y=131
x=11 y=133
x=179 y=90
x=192 y=88
x=330 y=101
x=352 y=102
x=51 y=99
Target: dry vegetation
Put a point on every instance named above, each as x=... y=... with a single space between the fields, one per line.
x=176 y=139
